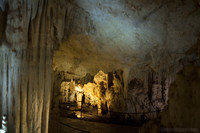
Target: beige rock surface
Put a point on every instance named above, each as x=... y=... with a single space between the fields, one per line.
x=86 y=36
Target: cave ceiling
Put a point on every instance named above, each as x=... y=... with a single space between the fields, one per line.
x=118 y=34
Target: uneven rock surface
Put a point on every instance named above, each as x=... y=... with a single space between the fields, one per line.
x=182 y=112
x=26 y=64
x=106 y=92
x=183 y=109
x=142 y=38
x=148 y=40
x=139 y=35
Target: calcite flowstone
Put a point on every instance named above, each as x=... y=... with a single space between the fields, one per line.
x=26 y=53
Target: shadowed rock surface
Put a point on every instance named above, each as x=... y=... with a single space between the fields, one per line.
x=139 y=45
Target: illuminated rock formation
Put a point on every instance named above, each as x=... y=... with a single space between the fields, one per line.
x=139 y=45
x=107 y=93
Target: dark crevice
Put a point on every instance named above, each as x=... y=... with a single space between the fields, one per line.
x=3 y=20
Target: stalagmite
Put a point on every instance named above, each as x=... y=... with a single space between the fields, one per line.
x=123 y=57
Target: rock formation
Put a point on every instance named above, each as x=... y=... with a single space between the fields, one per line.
x=44 y=42
x=182 y=113
x=106 y=92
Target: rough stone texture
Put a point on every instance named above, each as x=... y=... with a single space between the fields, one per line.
x=67 y=92
x=138 y=37
x=25 y=64
x=183 y=109
x=184 y=100
x=3 y=18
x=57 y=78
x=151 y=94
x=145 y=39
x=107 y=93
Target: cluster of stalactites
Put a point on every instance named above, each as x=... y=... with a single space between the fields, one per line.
x=106 y=92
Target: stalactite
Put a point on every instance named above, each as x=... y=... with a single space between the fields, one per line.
x=150 y=82
x=30 y=30
x=126 y=80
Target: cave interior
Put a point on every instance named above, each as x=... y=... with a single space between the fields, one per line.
x=99 y=66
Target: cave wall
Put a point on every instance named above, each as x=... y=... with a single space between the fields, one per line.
x=57 y=78
x=145 y=39
x=26 y=58
x=106 y=91
x=124 y=34
x=121 y=34
x=28 y=36
x=183 y=109
x=182 y=112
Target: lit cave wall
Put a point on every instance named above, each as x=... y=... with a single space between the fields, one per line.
x=123 y=54
x=26 y=52
x=106 y=93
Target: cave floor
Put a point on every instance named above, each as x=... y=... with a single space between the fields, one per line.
x=69 y=125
